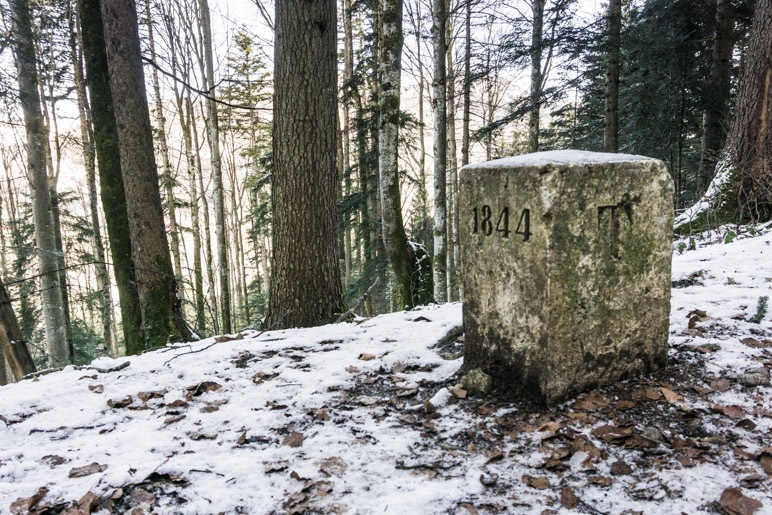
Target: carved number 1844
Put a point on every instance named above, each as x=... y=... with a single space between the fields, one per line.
x=483 y=222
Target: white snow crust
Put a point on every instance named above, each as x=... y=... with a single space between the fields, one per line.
x=302 y=381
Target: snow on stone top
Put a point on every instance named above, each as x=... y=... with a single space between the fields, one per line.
x=559 y=157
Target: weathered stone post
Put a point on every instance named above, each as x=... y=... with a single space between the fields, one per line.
x=566 y=261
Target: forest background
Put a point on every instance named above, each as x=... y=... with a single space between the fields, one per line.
x=518 y=76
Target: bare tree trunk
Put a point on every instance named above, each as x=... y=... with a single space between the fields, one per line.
x=89 y=155
x=214 y=145
x=167 y=175
x=13 y=348
x=422 y=233
x=611 y=125
x=306 y=287
x=537 y=7
x=207 y=236
x=110 y=177
x=348 y=72
x=749 y=143
x=716 y=116
x=467 y=90
x=452 y=171
x=51 y=294
x=394 y=238
x=439 y=102
x=162 y=318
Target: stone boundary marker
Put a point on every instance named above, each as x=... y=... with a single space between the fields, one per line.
x=566 y=260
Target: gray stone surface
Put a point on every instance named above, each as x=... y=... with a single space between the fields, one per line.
x=566 y=261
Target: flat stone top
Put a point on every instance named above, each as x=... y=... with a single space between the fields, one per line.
x=560 y=157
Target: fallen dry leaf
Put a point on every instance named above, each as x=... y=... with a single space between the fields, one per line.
x=293 y=439
x=620 y=468
x=366 y=357
x=721 y=384
x=458 y=393
x=734 y=502
x=764 y=456
x=733 y=411
x=277 y=466
x=593 y=401
x=333 y=466
x=172 y=420
x=539 y=482
x=568 y=498
x=87 y=470
x=612 y=434
x=146 y=396
x=494 y=455
x=603 y=481
x=756 y=344
x=122 y=403
x=671 y=396
x=23 y=505
x=97 y=388
x=469 y=507
x=201 y=388
x=221 y=339
x=550 y=429
x=261 y=377
x=52 y=460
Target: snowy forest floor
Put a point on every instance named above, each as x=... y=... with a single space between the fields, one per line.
x=333 y=420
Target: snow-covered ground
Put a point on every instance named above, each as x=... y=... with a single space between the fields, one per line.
x=333 y=419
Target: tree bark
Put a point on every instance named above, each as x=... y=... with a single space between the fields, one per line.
x=716 y=116
x=453 y=250
x=534 y=117
x=749 y=143
x=110 y=176
x=214 y=145
x=51 y=294
x=89 y=159
x=305 y=276
x=439 y=105
x=611 y=124
x=467 y=89
x=162 y=319
x=167 y=176
x=13 y=348
x=394 y=238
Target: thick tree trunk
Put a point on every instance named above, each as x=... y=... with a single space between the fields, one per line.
x=162 y=319
x=534 y=116
x=89 y=159
x=51 y=294
x=749 y=143
x=716 y=116
x=305 y=282
x=439 y=104
x=167 y=175
x=611 y=125
x=110 y=176
x=13 y=348
x=394 y=238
